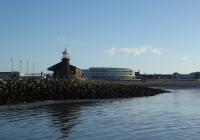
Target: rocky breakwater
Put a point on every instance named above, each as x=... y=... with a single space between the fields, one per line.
x=22 y=91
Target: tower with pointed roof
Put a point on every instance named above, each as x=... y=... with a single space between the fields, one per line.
x=66 y=65
x=64 y=69
x=66 y=55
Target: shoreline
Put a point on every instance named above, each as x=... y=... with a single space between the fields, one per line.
x=47 y=102
x=52 y=102
x=173 y=84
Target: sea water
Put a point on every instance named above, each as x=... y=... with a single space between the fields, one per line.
x=168 y=116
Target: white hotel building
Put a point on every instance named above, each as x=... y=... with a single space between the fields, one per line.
x=106 y=73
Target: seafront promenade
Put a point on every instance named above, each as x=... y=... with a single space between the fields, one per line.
x=23 y=91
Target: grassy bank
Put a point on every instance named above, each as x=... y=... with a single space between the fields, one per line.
x=21 y=91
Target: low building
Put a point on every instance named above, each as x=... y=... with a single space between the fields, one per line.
x=33 y=76
x=64 y=69
x=174 y=76
x=106 y=73
x=154 y=76
x=18 y=75
x=10 y=75
x=191 y=76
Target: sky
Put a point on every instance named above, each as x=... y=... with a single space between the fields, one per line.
x=153 y=36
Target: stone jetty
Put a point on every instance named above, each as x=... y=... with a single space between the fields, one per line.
x=23 y=91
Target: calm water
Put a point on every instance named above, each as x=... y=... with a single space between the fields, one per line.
x=170 y=116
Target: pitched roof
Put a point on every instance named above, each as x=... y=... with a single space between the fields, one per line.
x=59 y=66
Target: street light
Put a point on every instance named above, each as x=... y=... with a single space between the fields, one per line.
x=12 y=64
x=33 y=69
x=27 y=63
x=20 y=66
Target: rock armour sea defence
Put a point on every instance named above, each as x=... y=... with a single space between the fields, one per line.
x=22 y=91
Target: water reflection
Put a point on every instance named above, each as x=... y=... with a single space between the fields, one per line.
x=40 y=122
x=64 y=116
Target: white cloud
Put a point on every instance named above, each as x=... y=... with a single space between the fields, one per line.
x=111 y=51
x=61 y=40
x=64 y=41
x=133 y=51
x=155 y=50
x=185 y=58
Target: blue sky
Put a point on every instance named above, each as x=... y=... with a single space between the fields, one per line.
x=153 y=36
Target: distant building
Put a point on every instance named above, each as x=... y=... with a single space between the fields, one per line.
x=64 y=69
x=105 y=73
x=18 y=75
x=153 y=76
x=33 y=76
x=191 y=76
x=174 y=76
x=10 y=75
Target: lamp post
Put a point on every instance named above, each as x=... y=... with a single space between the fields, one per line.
x=12 y=65
x=27 y=63
x=20 y=66
x=33 y=69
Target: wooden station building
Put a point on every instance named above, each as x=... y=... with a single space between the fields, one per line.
x=64 y=69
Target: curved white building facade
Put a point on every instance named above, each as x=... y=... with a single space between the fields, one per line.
x=105 y=73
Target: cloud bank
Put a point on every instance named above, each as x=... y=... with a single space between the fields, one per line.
x=133 y=51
